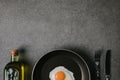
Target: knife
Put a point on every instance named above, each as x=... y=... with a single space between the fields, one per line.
x=97 y=64
x=108 y=65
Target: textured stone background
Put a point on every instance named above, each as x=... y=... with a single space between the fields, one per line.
x=41 y=26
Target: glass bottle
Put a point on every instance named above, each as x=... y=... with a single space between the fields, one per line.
x=15 y=69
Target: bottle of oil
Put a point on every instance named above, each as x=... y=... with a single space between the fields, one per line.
x=15 y=69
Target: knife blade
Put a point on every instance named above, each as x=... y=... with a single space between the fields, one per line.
x=108 y=65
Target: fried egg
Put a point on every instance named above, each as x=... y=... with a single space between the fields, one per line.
x=61 y=73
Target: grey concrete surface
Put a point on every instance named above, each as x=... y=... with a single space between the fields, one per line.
x=45 y=25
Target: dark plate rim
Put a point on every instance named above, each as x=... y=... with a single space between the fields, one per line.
x=89 y=74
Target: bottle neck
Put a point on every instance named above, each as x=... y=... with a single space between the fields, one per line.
x=14 y=58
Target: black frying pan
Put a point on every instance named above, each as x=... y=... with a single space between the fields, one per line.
x=70 y=60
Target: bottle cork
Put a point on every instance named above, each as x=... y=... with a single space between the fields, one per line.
x=14 y=52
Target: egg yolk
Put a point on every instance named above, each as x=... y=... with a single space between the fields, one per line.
x=60 y=75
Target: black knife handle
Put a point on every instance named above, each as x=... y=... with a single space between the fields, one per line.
x=108 y=65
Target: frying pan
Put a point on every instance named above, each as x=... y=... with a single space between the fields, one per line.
x=69 y=59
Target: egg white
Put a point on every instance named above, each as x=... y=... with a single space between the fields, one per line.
x=68 y=74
